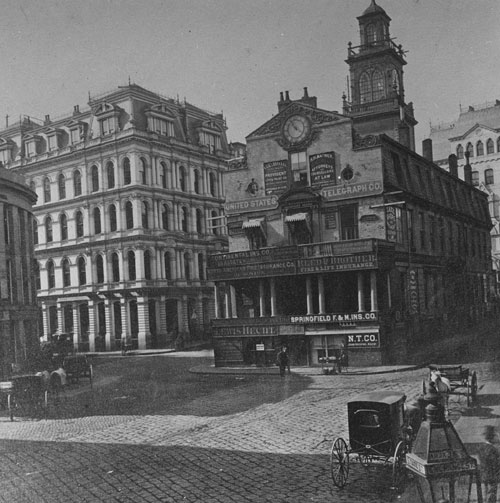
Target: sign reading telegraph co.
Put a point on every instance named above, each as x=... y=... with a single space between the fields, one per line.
x=349 y=191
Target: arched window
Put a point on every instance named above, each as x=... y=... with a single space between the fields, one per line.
x=127 y=177
x=144 y=168
x=36 y=271
x=129 y=215
x=378 y=86
x=145 y=215
x=475 y=178
x=365 y=88
x=488 y=177
x=79 y=224
x=97 y=221
x=35 y=232
x=460 y=152
x=131 y=265
x=66 y=273
x=184 y=219
x=213 y=184
x=182 y=179
x=147 y=264
x=187 y=266
x=163 y=174
x=201 y=266
x=48 y=230
x=498 y=145
x=61 y=184
x=470 y=149
x=63 y=223
x=197 y=181
x=110 y=172
x=46 y=189
x=490 y=146
x=371 y=34
x=95 y=178
x=479 y=148
x=99 y=268
x=51 y=275
x=112 y=218
x=82 y=273
x=215 y=222
x=199 y=221
x=168 y=270
x=115 y=267
x=77 y=183
x=164 y=217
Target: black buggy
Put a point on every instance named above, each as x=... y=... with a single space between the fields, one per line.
x=379 y=431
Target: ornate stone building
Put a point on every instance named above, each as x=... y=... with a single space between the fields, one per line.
x=475 y=133
x=129 y=206
x=342 y=237
x=19 y=335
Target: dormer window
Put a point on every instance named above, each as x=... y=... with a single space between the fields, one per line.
x=161 y=120
x=31 y=145
x=52 y=142
x=5 y=151
x=53 y=135
x=77 y=130
x=107 y=115
x=209 y=135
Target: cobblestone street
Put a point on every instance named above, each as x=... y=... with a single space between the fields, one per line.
x=275 y=449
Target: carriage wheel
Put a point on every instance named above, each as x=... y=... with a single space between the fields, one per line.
x=473 y=387
x=398 y=466
x=339 y=462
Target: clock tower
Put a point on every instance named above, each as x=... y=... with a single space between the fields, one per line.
x=377 y=102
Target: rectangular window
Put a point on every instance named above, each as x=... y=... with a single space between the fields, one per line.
x=7 y=216
x=432 y=232
x=348 y=216
x=400 y=234
x=31 y=148
x=300 y=171
x=107 y=126
x=75 y=136
x=52 y=142
x=421 y=217
x=411 y=228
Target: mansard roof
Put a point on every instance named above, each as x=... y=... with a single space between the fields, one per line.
x=472 y=129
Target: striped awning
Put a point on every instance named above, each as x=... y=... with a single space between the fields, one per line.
x=297 y=217
x=252 y=224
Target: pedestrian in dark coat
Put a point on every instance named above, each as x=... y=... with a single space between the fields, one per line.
x=283 y=361
x=489 y=463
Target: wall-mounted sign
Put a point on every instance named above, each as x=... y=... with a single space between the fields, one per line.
x=370 y=340
x=322 y=169
x=413 y=291
x=245 y=330
x=350 y=191
x=390 y=222
x=334 y=318
x=343 y=263
x=247 y=205
x=276 y=176
x=259 y=347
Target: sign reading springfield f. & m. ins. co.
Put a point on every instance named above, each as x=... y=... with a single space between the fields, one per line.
x=245 y=205
x=334 y=318
x=351 y=190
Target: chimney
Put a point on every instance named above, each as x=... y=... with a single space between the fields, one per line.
x=47 y=119
x=453 y=165
x=76 y=109
x=281 y=103
x=306 y=95
x=467 y=169
x=427 y=149
x=287 y=96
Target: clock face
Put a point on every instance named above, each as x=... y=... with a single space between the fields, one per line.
x=296 y=128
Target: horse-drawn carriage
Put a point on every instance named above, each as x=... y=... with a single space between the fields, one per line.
x=379 y=431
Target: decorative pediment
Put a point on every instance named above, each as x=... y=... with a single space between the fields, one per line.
x=315 y=115
x=74 y=124
x=32 y=137
x=476 y=130
x=210 y=125
x=51 y=131
x=105 y=109
x=6 y=144
x=163 y=110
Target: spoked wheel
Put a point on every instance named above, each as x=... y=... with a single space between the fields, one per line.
x=473 y=387
x=339 y=462
x=398 y=467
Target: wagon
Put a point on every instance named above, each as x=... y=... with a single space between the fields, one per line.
x=378 y=432
x=26 y=395
x=77 y=366
x=462 y=380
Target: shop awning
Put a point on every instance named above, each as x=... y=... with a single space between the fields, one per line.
x=256 y=223
x=297 y=217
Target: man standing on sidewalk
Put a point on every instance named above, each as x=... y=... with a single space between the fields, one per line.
x=283 y=361
x=489 y=463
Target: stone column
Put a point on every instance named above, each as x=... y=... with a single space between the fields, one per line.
x=262 y=298
x=92 y=324
x=125 y=320
x=234 y=312
x=272 y=285
x=226 y=301
x=60 y=318
x=45 y=322
x=361 y=297
x=76 y=325
x=373 y=291
x=216 y=297
x=144 y=334
x=109 y=324
x=309 y=295
x=321 y=294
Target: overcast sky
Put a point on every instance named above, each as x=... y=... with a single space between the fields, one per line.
x=236 y=56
